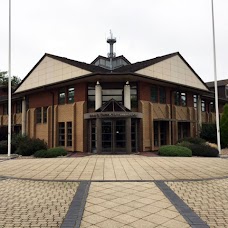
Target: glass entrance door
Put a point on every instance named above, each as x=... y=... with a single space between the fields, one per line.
x=113 y=136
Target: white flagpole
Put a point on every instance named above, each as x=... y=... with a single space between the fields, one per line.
x=215 y=81
x=9 y=85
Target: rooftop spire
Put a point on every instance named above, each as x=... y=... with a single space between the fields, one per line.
x=111 y=40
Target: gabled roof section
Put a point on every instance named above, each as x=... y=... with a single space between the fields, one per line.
x=53 y=69
x=140 y=65
x=219 y=83
x=112 y=106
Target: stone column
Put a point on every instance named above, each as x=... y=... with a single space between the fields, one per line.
x=98 y=96
x=127 y=95
x=23 y=119
x=128 y=135
x=199 y=113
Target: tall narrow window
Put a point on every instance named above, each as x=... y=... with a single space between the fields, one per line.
x=162 y=95
x=91 y=96
x=183 y=99
x=226 y=91
x=177 y=98
x=156 y=137
x=69 y=133
x=195 y=101
x=62 y=96
x=154 y=94
x=134 y=97
x=61 y=134
x=18 y=107
x=5 y=109
x=45 y=114
x=203 y=106
x=211 y=106
x=71 y=95
x=38 y=115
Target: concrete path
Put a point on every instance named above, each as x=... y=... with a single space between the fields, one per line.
x=114 y=191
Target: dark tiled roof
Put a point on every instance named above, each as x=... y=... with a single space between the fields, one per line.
x=219 y=83
x=118 y=57
x=140 y=65
x=75 y=63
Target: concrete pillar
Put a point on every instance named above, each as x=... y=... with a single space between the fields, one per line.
x=98 y=96
x=127 y=96
x=199 y=112
x=128 y=135
x=23 y=119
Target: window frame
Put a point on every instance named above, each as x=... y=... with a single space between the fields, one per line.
x=69 y=134
x=61 y=134
x=38 y=115
x=62 y=100
x=70 y=98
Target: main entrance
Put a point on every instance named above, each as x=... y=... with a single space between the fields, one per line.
x=113 y=136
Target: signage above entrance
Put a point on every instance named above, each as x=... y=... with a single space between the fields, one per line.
x=101 y=115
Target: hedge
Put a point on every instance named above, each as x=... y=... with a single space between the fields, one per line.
x=203 y=150
x=172 y=150
x=51 y=153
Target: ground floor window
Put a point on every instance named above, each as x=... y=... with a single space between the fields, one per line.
x=61 y=134
x=160 y=133
x=69 y=133
x=183 y=130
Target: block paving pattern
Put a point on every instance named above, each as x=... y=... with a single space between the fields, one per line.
x=209 y=199
x=34 y=203
x=129 y=205
x=116 y=167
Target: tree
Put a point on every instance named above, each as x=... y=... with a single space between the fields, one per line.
x=4 y=79
x=224 y=126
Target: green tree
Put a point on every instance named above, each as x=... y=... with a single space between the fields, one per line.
x=224 y=126
x=4 y=79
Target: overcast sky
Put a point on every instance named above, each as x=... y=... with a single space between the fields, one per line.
x=77 y=29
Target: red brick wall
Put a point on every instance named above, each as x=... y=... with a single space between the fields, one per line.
x=190 y=102
x=40 y=99
x=144 y=91
x=80 y=92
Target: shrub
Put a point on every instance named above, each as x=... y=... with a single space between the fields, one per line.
x=3 y=147
x=172 y=150
x=194 y=140
x=184 y=144
x=224 y=126
x=203 y=150
x=51 y=153
x=209 y=132
x=27 y=146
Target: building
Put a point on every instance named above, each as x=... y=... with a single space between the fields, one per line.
x=111 y=105
x=222 y=88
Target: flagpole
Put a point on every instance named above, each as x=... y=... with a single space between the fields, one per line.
x=9 y=85
x=215 y=81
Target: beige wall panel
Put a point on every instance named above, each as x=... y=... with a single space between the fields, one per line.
x=181 y=113
x=5 y=119
x=79 y=126
x=65 y=112
x=18 y=118
x=42 y=132
x=174 y=71
x=50 y=71
x=159 y=111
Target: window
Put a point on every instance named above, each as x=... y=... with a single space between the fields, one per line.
x=226 y=91
x=62 y=96
x=211 y=107
x=61 y=134
x=71 y=95
x=45 y=114
x=38 y=115
x=134 y=97
x=108 y=94
x=195 y=101
x=162 y=95
x=5 y=109
x=69 y=133
x=183 y=130
x=91 y=96
x=180 y=98
x=203 y=106
x=154 y=94
x=183 y=99
x=18 y=107
x=160 y=132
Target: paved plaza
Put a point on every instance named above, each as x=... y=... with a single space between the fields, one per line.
x=114 y=191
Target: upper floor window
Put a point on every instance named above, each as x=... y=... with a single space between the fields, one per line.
x=134 y=96
x=91 y=96
x=195 y=101
x=154 y=94
x=18 y=107
x=203 y=106
x=180 y=98
x=226 y=91
x=62 y=96
x=211 y=106
x=5 y=109
x=38 y=115
x=158 y=94
x=45 y=114
x=71 y=95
